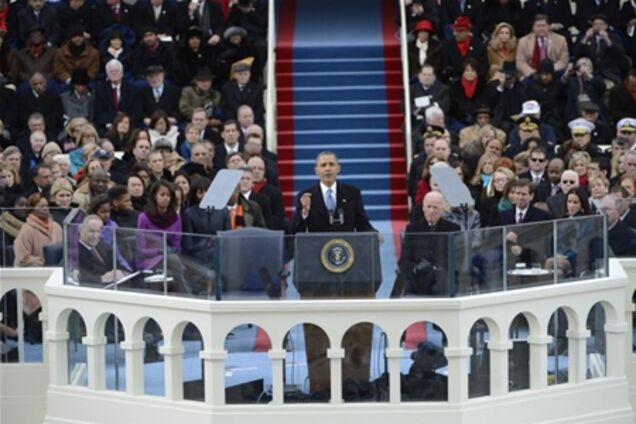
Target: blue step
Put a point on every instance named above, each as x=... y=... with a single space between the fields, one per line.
x=354 y=92
x=314 y=51
x=310 y=151
x=341 y=107
x=333 y=65
x=364 y=136
x=335 y=79
x=317 y=122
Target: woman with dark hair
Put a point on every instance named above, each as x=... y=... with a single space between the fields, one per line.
x=576 y=203
x=182 y=180
x=39 y=231
x=160 y=220
x=193 y=54
x=160 y=127
x=137 y=192
x=202 y=222
x=138 y=147
x=119 y=133
x=468 y=93
x=114 y=47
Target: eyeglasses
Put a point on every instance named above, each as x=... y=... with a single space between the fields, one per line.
x=540 y=160
x=568 y=182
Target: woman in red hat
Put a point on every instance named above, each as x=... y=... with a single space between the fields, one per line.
x=463 y=46
x=424 y=49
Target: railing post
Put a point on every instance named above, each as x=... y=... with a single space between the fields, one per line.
x=499 y=380
x=270 y=117
x=406 y=86
x=394 y=357
x=336 y=356
x=615 y=348
x=214 y=376
x=278 y=384
x=58 y=357
x=539 y=361
x=95 y=361
x=457 y=358
x=165 y=263
x=173 y=367
x=134 y=352
x=577 y=355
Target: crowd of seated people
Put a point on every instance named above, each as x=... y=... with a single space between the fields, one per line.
x=104 y=102
x=541 y=92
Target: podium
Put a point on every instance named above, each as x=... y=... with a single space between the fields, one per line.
x=337 y=266
x=249 y=263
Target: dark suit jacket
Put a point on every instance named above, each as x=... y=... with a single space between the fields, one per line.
x=215 y=18
x=145 y=16
x=438 y=93
x=450 y=11
x=423 y=261
x=528 y=176
x=630 y=218
x=48 y=104
x=265 y=204
x=168 y=102
x=277 y=206
x=532 y=215
x=556 y=204
x=349 y=200
x=233 y=97
x=104 y=17
x=543 y=191
x=220 y=154
x=586 y=9
x=47 y=21
x=91 y=269
x=105 y=108
x=622 y=240
x=452 y=59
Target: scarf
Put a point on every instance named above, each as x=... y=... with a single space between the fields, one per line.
x=423 y=49
x=503 y=50
x=76 y=51
x=162 y=221
x=38 y=222
x=3 y=19
x=464 y=46
x=469 y=87
x=258 y=186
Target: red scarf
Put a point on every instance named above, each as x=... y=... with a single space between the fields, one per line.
x=259 y=186
x=503 y=50
x=464 y=46
x=3 y=19
x=469 y=87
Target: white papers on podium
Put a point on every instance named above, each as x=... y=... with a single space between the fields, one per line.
x=221 y=189
x=454 y=190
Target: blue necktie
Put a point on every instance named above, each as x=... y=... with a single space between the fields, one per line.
x=330 y=202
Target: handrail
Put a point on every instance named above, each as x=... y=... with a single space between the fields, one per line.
x=271 y=78
x=405 y=83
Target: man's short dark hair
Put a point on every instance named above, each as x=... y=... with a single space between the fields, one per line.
x=116 y=193
x=231 y=155
x=620 y=189
x=36 y=170
x=604 y=164
x=231 y=122
x=541 y=17
x=539 y=149
x=523 y=182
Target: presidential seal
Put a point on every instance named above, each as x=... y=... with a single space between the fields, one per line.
x=337 y=256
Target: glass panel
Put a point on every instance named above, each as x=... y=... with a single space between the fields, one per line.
x=580 y=248
x=424 y=367
x=519 y=355
x=77 y=360
x=479 y=361
x=558 y=359
x=479 y=261
x=193 y=378
x=115 y=357
x=248 y=368
x=427 y=264
x=307 y=368
x=153 y=361
x=596 y=343
x=20 y=309
x=364 y=367
x=528 y=246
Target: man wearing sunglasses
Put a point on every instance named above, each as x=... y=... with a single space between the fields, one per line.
x=569 y=181
x=537 y=161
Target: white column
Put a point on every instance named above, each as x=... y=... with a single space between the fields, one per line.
x=615 y=349
x=394 y=356
x=336 y=356
x=95 y=361
x=629 y=310
x=214 y=372
x=44 y=318
x=577 y=355
x=499 y=366
x=278 y=383
x=457 y=358
x=173 y=368
x=58 y=357
x=539 y=361
x=134 y=352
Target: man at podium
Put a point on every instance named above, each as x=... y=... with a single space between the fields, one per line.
x=330 y=206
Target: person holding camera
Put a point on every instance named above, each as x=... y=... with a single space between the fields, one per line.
x=583 y=86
